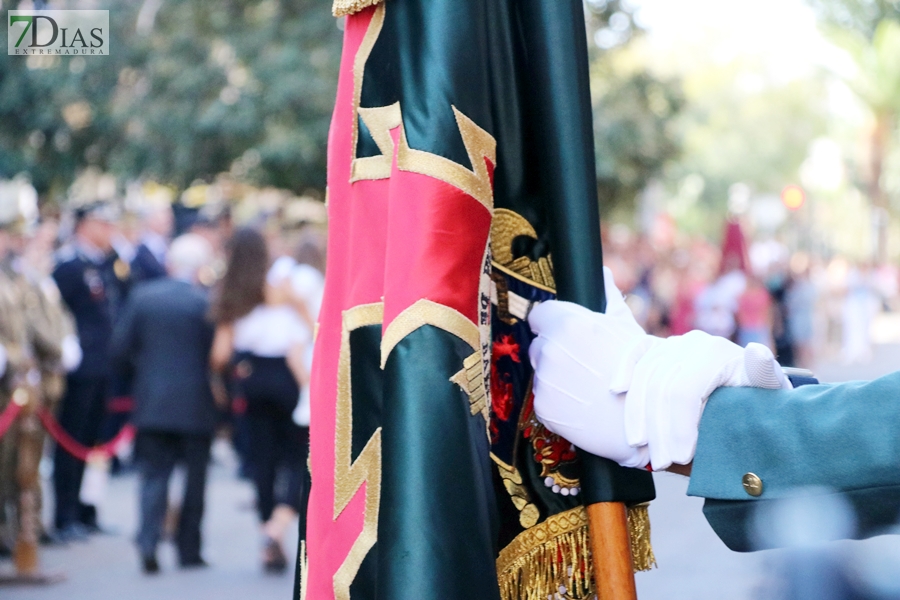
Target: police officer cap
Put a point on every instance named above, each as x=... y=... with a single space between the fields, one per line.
x=100 y=210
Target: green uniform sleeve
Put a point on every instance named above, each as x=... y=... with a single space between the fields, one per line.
x=837 y=438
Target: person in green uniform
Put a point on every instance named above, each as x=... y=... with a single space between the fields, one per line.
x=16 y=375
x=726 y=416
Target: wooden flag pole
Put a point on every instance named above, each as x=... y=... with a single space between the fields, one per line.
x=611 y=551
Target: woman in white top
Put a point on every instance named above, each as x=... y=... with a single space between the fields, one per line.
x=262 y=329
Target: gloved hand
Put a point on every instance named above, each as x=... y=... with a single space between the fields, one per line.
x=71 y=353
x=609 y=388
x=3 y=360
x=668 y=385
x=575 y=357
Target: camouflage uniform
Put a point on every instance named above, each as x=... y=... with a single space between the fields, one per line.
x=33 y=315
x=14 y=337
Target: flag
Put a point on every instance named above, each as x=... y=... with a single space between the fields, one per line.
x=461 y=191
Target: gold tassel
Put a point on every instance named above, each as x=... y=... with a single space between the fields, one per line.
x=639 y=530
x=555 y=555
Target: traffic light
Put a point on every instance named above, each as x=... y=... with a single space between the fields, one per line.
x=793 y=197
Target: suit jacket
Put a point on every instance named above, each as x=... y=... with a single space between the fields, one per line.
x=93 y=292
x=820 y=444
x=145 y=266
x=164 y=338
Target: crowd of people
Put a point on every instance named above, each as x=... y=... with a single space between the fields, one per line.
x=182 y=329
x=190 y=328
x=803 y=306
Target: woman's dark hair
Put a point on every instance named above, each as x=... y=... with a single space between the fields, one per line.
x=243 y=286
x=311 y=251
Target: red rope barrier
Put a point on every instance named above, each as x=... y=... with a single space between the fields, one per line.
x=9 y=415
x=76 y=448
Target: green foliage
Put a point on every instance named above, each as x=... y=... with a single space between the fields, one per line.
x=634 y=110
x=758 y=137
x=858 y=16
x=634 y=133
x=191 y=89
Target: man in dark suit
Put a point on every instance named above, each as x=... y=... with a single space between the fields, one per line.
x=149 y=260
x=164 y=340
x=93 y=282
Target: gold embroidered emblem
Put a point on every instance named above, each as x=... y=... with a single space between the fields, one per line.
x=471 y=379
x=518 y=493
x=505 y=228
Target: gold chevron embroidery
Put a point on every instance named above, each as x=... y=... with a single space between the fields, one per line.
x=350 y=475
x=426 y=312
x=342 y=8
x=379 y=121
x=479 y=145
x=359 y=69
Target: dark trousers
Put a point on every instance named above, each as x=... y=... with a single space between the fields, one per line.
x=157 y=454
x=277 y=452
x=81 y=415
x=277 y=446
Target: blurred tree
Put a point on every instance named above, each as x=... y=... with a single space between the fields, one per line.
x=190 y=89
x=229 y=85
x=869 y=30
x=860 y=16
x=634 y=109
x=743 y=126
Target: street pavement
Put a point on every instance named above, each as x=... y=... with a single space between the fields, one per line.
x=692 y=563
x=107 y=566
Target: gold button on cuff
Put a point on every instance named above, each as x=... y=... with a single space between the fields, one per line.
x=753 y=485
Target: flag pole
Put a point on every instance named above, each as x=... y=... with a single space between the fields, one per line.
x=611 y=551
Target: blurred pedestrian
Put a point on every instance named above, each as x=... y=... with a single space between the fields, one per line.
x=37 y=336
x=93 y=282
x=51 y=333
x=149 y=260
x=860 y=305
x=164 y=340
x=716 y=307
x=754 y=315
x=260 y=324
x=799 y=304
x=16 y=361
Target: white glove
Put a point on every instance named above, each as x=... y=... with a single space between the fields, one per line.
x=575 y=356
x=584 y=363
x=669 y=384
x=71 y=353
x=3 y=360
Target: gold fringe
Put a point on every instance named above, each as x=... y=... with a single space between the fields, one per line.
x=555 y=555
x=342 y=8
x=639 y=530
x=549 y=555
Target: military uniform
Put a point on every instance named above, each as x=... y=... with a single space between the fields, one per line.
x=757 y=447
x=14 y=338
x=147 y=264
x=92 y=286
